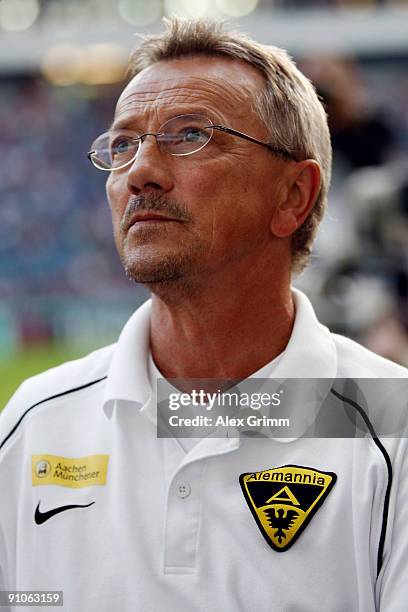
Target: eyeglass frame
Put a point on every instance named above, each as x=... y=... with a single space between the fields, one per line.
x=221 y=128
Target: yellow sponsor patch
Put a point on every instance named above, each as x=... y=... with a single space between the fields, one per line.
x=283 y=500
x=74 y=472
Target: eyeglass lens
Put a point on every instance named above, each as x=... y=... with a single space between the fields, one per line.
x=181 y=135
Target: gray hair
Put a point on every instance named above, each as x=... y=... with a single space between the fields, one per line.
x=287 y=105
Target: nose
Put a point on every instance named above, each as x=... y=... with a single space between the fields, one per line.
x=150 y=170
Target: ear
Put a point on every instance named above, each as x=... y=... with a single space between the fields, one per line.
x=303 y=185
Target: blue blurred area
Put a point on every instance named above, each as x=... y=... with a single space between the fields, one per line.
x=57 y=257
x=53 y=218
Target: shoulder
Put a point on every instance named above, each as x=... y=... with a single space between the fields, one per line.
x=63 y=379
x=356 y=361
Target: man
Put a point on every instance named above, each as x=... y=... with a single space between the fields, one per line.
x=219 y=166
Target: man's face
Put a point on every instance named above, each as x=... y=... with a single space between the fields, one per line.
x=218 y=202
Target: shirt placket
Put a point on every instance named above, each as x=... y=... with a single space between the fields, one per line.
x=183 y=508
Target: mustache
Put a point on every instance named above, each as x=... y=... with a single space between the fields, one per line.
x=154 y=203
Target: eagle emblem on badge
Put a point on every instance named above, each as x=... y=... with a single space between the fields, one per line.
x=283 y=500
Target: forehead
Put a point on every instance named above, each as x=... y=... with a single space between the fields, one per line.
x=224 y=85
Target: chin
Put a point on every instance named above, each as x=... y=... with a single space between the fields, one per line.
x=151 y=277
x=152 y=270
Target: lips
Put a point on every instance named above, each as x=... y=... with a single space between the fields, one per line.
x=145 y=217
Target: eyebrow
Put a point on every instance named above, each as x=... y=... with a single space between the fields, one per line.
x=123 y=123
x=113 y=126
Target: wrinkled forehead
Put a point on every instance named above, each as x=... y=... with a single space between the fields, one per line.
x=226 y=86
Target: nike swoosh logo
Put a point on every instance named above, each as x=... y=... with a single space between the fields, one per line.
x=41 y=517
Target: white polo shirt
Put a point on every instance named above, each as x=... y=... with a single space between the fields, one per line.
x=95 y=505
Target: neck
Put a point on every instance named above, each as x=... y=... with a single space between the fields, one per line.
x=226 y=330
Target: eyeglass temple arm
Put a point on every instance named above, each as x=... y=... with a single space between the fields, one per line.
x=251 y=139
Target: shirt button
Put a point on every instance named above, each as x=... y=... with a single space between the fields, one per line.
x=183 y=489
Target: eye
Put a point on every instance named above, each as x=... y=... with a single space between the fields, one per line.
x=194 y=134
x=122 y=144
x=184 y=134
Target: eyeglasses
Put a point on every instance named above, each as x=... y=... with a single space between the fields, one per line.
x=179 y=136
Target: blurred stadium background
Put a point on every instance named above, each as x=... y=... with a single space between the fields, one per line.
x=62 y=66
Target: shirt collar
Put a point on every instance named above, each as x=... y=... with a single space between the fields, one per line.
x=310 y=353
x=127 y=376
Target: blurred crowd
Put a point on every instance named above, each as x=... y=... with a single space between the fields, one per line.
x=55 y=229
x=55 y=232
x=360 y=278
